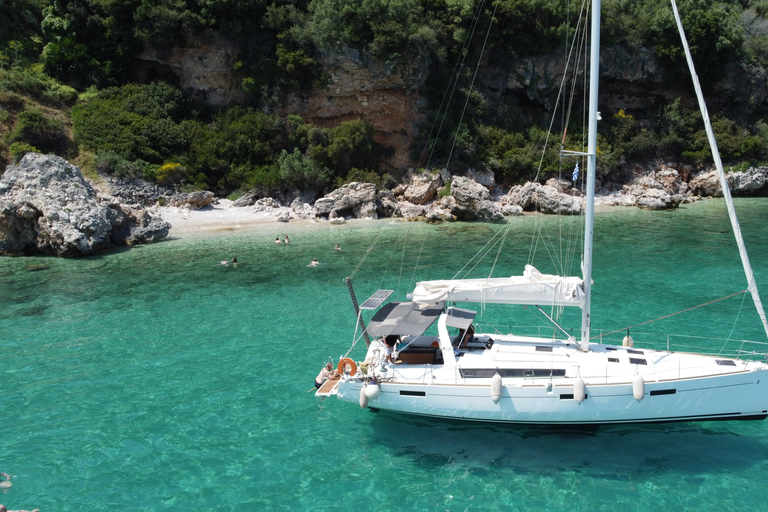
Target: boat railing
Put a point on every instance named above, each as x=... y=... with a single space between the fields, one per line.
x=705 y=345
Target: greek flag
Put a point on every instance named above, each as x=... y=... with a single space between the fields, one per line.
x=575 y=172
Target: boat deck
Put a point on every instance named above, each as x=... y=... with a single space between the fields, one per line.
x=328 y=388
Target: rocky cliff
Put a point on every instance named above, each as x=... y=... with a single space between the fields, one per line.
x=391 y=98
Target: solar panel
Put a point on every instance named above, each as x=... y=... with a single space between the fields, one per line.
x=375 y=300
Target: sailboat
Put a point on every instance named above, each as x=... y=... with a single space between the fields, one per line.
x=558 y=380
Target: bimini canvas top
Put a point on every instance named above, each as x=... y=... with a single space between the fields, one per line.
x=404 y=319
x=461 y=318
x=532 y=288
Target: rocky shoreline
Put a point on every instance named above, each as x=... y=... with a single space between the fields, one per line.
x=47 y=206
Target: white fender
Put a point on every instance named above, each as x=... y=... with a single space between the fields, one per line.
x=496 y=388
x=579 y=390
x=638 y=387
x=372 y=391
x=363 y=398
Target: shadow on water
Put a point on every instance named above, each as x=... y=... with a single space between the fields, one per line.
x=612 y=452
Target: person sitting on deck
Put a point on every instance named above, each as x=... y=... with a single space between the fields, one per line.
x=466 y=336
x=325 y=374
x=389 y=343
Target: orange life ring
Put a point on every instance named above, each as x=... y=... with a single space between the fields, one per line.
x=344 y=362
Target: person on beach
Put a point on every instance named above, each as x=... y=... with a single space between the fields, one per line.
x=325 y=374
x=337 y=247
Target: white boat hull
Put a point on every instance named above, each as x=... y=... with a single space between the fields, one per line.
x=741 y=396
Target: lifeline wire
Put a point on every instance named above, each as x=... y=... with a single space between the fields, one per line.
x=669 y=315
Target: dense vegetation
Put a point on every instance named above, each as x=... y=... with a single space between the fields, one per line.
x=66 y=86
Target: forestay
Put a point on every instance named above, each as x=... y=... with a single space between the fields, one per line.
x=532 y=288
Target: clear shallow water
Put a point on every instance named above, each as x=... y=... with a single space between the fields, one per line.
x=153 y=379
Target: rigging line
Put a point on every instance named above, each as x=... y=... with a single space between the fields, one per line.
x=477 y=256
x=557 y=102
x=362 y=260
x=582 y=43
x=418 y=259
x=501 y=246
x=452 y=85
x=733 y=327
x=669 y=315
x=402 y=261
x=472 y=83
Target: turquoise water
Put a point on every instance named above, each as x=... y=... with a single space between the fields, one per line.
x=154 y=379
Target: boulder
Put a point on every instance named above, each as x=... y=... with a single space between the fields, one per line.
x=386 y=204
x=192 y=200
x=265 y=204
x=485 y=178
x=302 y=210
x=247 y=199
x=542 y=198
x=366 y=210
x=410 y=211
x=47 y=206
x=345 y=198
x=472 y=201
x=422 y=188
x=750 y=183
x=131 y=226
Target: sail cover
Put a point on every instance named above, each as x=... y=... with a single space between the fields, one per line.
x=532 y=288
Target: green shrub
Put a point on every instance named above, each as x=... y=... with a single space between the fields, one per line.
x=299 y=172
x=137 y=122
x=110 y=162
x=19 y=149
x=445 y=191
x=35 y=128
x=360 y=176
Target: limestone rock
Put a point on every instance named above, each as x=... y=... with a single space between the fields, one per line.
x=542 y=198
x=192 y=200
x=752 y=182
x=131 y=226
x=203 y=69
x=422 y=188
x=302 y=210
x=47 y=206
x=345 y=198
x=386 y=204
x=265 y=204
x=485 y=178
x=134 y=191
x=366 y=210
x=410 y=211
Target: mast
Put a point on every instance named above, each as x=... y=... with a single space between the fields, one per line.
x=751 y=283
x=594 y=76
